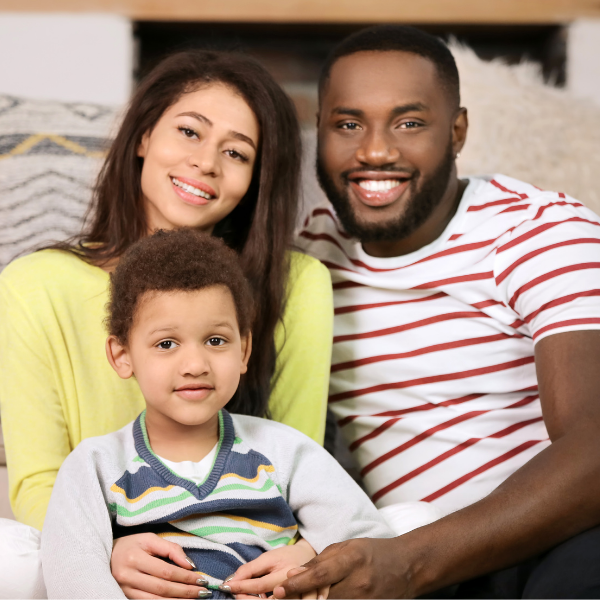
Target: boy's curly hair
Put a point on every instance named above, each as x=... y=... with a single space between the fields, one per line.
x=178 y=260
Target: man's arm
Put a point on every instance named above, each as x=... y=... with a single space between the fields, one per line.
x=553 y=497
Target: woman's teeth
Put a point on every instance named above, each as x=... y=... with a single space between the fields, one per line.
x=378 y=185
x=190 y=189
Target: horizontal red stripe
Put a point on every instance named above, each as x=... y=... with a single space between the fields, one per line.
x=569 y=323
x=419 y=438
x=403 y=411
x=486 y=303
x=551 y=275
x=455 y=236
x=450 y=280
x=352 y=364
x=542 y=209
x=373 y=434
x=561 y=301
x=347 y=309
x=515 y=208
x=539 y=251
x=541 y=229
x=328 y=213
x=432 y=379
x=482 y=469
x=501 y=202
x=408 y=326
x=561 y=195
x=501 y=187
x=331 y=265
x=446 y=455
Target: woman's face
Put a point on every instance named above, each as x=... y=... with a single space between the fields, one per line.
x=198 y=159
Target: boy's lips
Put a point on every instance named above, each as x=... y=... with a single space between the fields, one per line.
x=194 y=392
x=378 y=189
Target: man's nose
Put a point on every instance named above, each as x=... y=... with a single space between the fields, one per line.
x=378 y=148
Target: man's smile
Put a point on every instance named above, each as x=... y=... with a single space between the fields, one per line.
x=378 y=189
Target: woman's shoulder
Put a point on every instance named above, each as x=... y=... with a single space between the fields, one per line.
x=307 y=269
x=49 y=269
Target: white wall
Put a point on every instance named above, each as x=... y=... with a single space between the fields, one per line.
x=70 y=57
x=583 y=59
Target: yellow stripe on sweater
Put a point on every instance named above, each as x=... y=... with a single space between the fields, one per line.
x=260 y=524
x=118 y=490
x=266 y=468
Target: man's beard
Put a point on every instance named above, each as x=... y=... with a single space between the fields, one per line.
x=416 y=212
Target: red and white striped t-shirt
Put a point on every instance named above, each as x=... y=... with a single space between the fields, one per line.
x=433 y=378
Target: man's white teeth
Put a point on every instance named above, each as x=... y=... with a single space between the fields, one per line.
x=378 y=185
x=190 y=189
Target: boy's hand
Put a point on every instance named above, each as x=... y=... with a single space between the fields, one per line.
x=141 y=575
x=265 y=573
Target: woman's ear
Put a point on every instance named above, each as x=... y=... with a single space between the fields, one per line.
x=118 y=357
x=246 y=352
x=142 y=149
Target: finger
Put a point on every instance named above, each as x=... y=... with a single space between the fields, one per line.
x=158 y=547
x=157 y=567
x=309 y=595
x=261 y=585
x=323 y=593
x=163 y=588
x=254 y=568
x=324 y=573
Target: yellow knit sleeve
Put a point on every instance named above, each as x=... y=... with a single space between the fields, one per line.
x=35 y=431
x=303 y=341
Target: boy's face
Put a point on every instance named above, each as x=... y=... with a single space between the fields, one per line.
x=186 y=352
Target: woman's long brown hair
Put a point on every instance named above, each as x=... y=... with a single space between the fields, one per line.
x=260 y=228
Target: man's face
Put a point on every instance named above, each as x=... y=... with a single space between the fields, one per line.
x=386 y=145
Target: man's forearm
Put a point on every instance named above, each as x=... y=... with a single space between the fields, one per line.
x=550 y=499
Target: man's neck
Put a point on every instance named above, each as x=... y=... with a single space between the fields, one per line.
x=429 y=231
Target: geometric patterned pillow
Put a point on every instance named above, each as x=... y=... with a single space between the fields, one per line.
x=50 y=153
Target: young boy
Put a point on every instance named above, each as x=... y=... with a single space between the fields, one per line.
x=225 y=487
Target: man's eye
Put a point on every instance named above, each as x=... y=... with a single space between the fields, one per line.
x=350 y=126
x=166 y=345
x=409 y=125
x=216 y=341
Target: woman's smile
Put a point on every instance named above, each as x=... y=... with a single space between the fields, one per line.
x=192 y=191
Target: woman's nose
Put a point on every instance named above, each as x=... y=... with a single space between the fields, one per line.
x=206 y=158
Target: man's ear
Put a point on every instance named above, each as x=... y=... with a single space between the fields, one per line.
x=142 y=149
x=459 y=130
x=118 y=357
x=246 y=352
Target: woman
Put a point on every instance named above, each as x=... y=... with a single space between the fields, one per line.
x=209 y=141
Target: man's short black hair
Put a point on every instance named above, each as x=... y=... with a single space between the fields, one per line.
x=400 y=38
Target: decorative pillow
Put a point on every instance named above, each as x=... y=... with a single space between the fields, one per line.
x=50 y=154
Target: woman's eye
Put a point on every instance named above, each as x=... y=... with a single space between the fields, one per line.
x=189 y=133
x=216 y=341
x=237 y=155
x=166 y=345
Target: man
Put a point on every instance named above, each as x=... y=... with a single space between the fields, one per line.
x=465 y=368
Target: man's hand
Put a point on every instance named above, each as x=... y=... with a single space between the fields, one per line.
x=362 y=568
x=141 y=575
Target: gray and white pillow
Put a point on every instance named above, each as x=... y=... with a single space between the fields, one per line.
x=50 y=153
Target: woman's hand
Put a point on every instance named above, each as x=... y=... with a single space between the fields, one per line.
x=141 y=575
x=265 y=573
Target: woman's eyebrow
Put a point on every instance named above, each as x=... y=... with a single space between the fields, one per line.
x=234 y=134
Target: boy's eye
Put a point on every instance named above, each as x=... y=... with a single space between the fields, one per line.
x=216 y=341
x=166 y=345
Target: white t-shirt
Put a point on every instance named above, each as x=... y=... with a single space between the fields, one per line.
x=433 y=377
x=194 y=471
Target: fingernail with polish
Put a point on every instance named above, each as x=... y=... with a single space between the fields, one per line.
x=229 y=578
x=204 y=594
x=202 y=582
x=225 y=588
x=191 y=562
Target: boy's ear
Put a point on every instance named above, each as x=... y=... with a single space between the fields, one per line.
x=246 y=352
x=118 y=357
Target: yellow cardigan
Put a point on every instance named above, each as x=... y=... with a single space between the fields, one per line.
x=57 y=388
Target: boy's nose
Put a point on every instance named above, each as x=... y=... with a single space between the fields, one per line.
x=195 y=363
